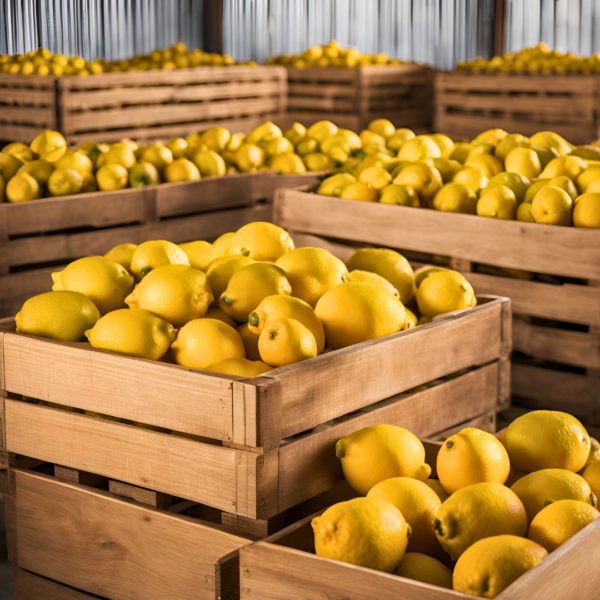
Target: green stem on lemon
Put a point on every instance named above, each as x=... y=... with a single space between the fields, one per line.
x=253 y=319
x=145 y=271
x=225 y=300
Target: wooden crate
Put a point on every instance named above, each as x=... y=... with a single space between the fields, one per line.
x=285 y=566
x=353 y=97
x=29 y=586
x=557 y=313
x=245 y=446
x=27 y=105
x=41 y=236
x=467 y=103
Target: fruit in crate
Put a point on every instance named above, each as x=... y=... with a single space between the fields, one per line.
x=477 y=535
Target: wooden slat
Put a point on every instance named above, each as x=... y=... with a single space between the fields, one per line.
x=29 y=586
x=31 y=115
x=92 y=541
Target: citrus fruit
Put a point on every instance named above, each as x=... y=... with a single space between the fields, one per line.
x=74 y=160
x=444 y=291
x=523 y=161
x=158 y=155
x=156 y=253
x=438 y=488
x=117 y=154
x=249 y=157
x=587 y=211
x=372 y=279
x=64 y=182
x=455 y=197
x=360 y=191
x=142 y=174
x=427 y=569
x=261 y=241
x=40 y=170
x=592 y=476
x=199 y=253
x=334 y=185
x=497 y=202
x=250 y=340
x=112 y=177
x=209 y=163
x=221 y=270
x=221 y=244
x=239 y=367
x=49 y=145
x=122 y=254
x=22 y=188
x=285 y=342
x=401 y=195
x=471 y=177
x=181 y=169
x=426 y=181
x=552 y=206
x=517 y=183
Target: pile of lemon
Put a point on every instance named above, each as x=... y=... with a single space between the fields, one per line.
x=539 y=59
x=332 y=55
x=48 y=167
x=44 y=62
x=246 y=303
x=495 y=509
x=538 y=179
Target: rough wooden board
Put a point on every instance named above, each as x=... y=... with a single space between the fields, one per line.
x=29 y=586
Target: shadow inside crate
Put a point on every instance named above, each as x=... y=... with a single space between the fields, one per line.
x=6 y=579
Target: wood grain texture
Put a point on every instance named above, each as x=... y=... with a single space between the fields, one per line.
x=91 y=541
x=29 y=586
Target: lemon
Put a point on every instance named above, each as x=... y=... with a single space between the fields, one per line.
x=437 y=487
x=64 y=182
x=461 y=151
x=471 y=456
x=394 y=143
x=9 y=165
x=490 y=137
x=551 y=139
x=285 y=342
x=374 y=280
x=543 y=439
x=104 y=281
x=49 y=145
x=40 y=170
x=377 y=177
x=239 y=367
x=418 y=148
x=559 y=521
x=362 y=531
x=199 y=253
x=517 y=183
x=478 y=511
x=497 y=202
x=111 y=177
x=571 y=166
x=307 y=146
x=295 y=133
x=566 y=184
x=524 y=213
x=383 y=127
x=471 y=177
x=158 y=155
x=418 y=503
x=261 y=241
x=592 y=476
x=210 y=164
x=539 y=488
x=444 y=291
x=379 y=452
x=444 y=143
x=311 y=272
x=216 y=138
x=523 y=161
x=22 y=151
x=249 y=157
x=204 y=342
x=401 y=195
x=249 y=286
x=221 y=270
x=177 y=293
x=221 y=244
x=371 y=141
x=589 y=174
x=334 y=185
x=594 y=186
x=490 y=565
x=156 y=253
x=455 y=197
x=118 y=154
x=288 y=162
x=587 y=211
x=315 y=162
x=447 y=168
x=278 y=307
x=250 y=340
x=22 y=188
x=60 y=315
x=391 y=265
x=359 y=191
x=89 y=183
x=122 y=254
x=594 y=453
x=488 y=164
x=215 y=312
x=74 y=160
x=142 y=174
x=425 y=180
x=422 y=567
x=321 y=130
x=181 y=169
x=132 y=331
x=265 y=131
x=177 y=146
x=508 y=143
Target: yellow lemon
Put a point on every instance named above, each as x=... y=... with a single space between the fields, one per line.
x=74 y=160
x=383 y=127
x=118 y=154
x=111 y=177
x=418 y=503
x=321 y=130
x=250 y=340
x=437 y=487
x=261 y=241
x=559 y=521
x=132 y=331
x=156 y=253
x=307 y=146
x=221 y=244
x=562 y=181
x=249 y=157
x=517 y=183
x=40 y=170
x=199 y=253
x=158 y=155
x=539 y=488
x=295 y=133
x=543 y=439
x=60 y=315
x=249 y=286
x=594 y=454
x=216 y=138
x=122 y=254
x=478 y=511
x=278 y=307
x=334 y=185
x=418 y=148
x=508 y=143
x=265 y=131
x=592 y=476
x=210 y=163
x=461 y=151
x=363 y=531
x=49 y=145
x=177 y=293
x=426 y=181
x=471 y=177
x=22 y=188
x=285 y=342
x=142 y=174
x=315 y=162
x=221 y=270
x=379 y=452
x=571 y=166
x=488 y=164
x=363 y=192
x=89 y=183
x=391 y=265
x=490 y=565
x=551 y=139
x=288 y=162
x=177 y=146
x=401 y=195
x=394 y=143
x=444 y=143
x=311 y=272
x=239 y=367
x=425 y=271
x=22 y=151
x=447 y=168
x=455 y=197
x=444 y=291
x=64 y=182
x=204 y=342
x=276 y=146
x=105 y=282
x=377 y=177
x=214 y=312
x=471 y=456
x=427 y=569
x=490 y=137
x=587 y=211
x=181 y=169
x=497 y=202
x=589 y=174
x=374 y=280
x=523 y=161
x=371 y=141
x=524 y=213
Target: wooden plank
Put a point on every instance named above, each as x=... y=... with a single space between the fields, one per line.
x=153 y=393
x=29 y=586
x=34 y=115
x=76 y=476
x=135 y=455
x=141 y=495
x=487 y=422
x=92 y=541
x=539 y=248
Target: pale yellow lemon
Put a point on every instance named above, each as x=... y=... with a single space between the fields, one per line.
x=424 y=568
x=587 y=211
x=239 y=367
x=156 y=253
x=122 y=254
x=261 y=241
x=444 y=291
x=455 y=197
x=199 y=253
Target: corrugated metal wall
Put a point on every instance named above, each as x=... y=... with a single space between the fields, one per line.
x=438 y=32
x=566 y=25
x=99 y=28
